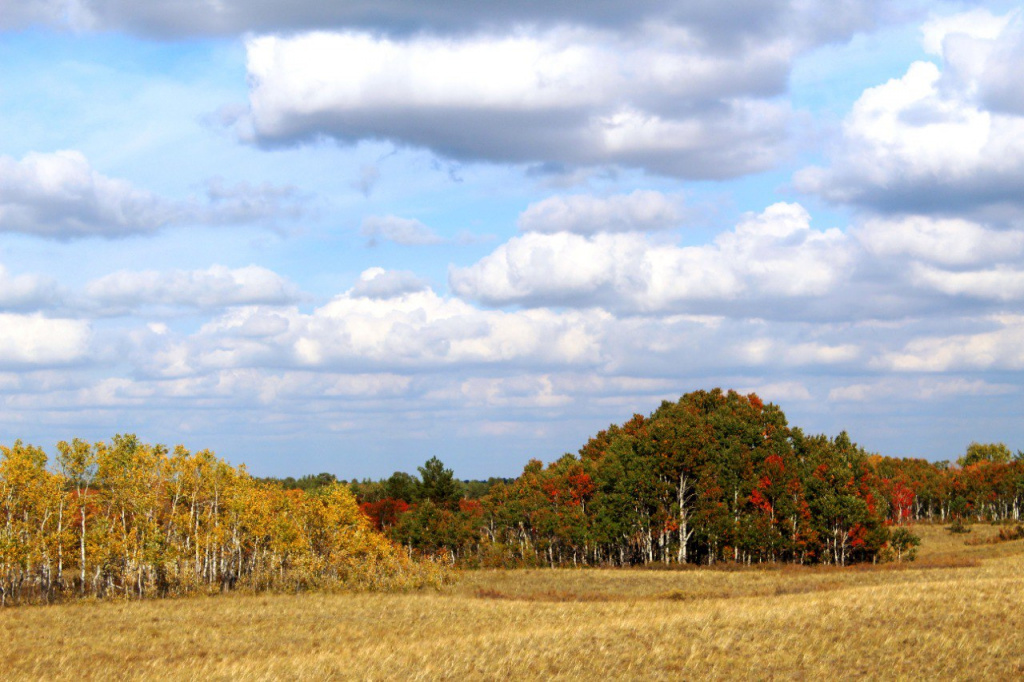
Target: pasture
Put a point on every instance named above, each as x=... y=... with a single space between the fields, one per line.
x=953 y=614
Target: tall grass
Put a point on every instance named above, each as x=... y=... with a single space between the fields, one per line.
x=955 y=615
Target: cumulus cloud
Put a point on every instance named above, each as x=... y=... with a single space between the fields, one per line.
x=391 y=345
x=565 y=96
x=1000 y=283
x=410 y=329
x=27 y=292
x=27 y=340
x=215 y=287
x=977 y=24
x=60 y=195
x=1001 y=348
x=411 y=333
x=766 y=350
x=946 y=140
x=779 y=392
x=951 y=257
x=522 y=391
x=951 y=242
x=381 y=283
x=980 y=49
x=640 y=211
x=404 y=231
x=773 y=255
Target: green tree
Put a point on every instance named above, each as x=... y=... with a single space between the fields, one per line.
x=438 y=484
x=977 y=453
x=403 y=486
x=903 y=543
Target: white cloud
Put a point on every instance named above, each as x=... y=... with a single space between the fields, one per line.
x=1000 y=283
x=404 y=231
x=26 y=292
x=999 y=349
x=215 y=287
x=766 y=350
x=999 y=85
x=770 y=256
x=640 y=211
x=953 y=257
x=977 y=24
x=981 y=51
x=660 y=102
x=556 y=355
x=936 y=140
x=720 y=23
x=779 y=392
x=37 y=340
x=953 y=241
x=361 y=360
x=237 y=388
x=61 y=196
x=522 y=391
x=381 y=283
x=411 y=329
x=915 y=389
x=277 y=387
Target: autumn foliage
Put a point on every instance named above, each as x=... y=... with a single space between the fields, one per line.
x=127 y=519
x=715 y=477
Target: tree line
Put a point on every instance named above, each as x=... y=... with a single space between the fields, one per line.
x=714 y=477
x=129 y=519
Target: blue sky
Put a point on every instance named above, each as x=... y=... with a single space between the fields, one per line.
x=347 y=237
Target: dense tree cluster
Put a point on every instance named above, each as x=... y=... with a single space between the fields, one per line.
x=130 y=519
x=716 y=476
x=987 y=485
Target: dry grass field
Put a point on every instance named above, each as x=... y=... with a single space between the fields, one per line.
x=954 y=614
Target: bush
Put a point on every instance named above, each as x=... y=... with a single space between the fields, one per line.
x=958 y=526
x=1008 y=534
x=904 y=543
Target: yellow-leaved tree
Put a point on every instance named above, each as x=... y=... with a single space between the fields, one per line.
x=128 y=519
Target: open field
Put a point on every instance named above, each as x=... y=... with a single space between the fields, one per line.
x=955 y=613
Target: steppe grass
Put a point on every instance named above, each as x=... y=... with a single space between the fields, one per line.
x=956 y=613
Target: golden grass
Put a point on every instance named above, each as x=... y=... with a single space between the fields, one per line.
x=957 y=615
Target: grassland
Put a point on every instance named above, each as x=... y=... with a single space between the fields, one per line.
x=954 y=614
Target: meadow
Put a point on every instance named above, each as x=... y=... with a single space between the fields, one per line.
x=955 y=613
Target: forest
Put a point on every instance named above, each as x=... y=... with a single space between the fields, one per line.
x=716 y=477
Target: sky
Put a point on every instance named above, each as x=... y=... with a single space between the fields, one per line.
x=348 y=237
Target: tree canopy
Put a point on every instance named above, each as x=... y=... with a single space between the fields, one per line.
x=978 y=453
x=130 y=519
x=715 y=476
